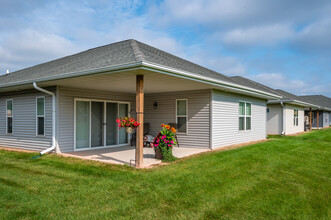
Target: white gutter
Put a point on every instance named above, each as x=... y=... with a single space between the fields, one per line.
x=204 y=79
x=154 y=67
x=294 y=102
x=284 y=118
x=53 y=118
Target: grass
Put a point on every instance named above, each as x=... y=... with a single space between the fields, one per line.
x=283 y=178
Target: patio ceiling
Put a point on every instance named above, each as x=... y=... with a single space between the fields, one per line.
x=125 y=82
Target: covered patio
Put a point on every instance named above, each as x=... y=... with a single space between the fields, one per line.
x=126 y=155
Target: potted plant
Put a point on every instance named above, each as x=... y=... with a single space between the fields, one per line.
x=128 y=123
x=164 y=142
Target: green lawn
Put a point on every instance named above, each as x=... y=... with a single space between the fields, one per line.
x=283 y=178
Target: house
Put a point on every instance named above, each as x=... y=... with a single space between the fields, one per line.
x=320 y=117
x=284 y=115
x=71 y=104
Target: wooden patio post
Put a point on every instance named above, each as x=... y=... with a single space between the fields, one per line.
x=140 y=119
x=317 y=118
x=310 y=114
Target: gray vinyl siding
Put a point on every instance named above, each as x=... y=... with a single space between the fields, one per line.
x=24 y=121
x=66 y=111
x=275 y=119
x=326 y=119
x=198 y=128
x=225 y=116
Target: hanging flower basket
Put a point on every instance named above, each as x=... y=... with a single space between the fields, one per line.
x=128 y=130
x=128 y=123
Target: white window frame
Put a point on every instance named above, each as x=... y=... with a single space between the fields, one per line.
x=105 y=101
x=186 y=116
x=245 y=116
x=12 y=116
x=296 y=119
x=40 y=97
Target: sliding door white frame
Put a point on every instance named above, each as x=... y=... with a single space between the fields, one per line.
x=104 y=123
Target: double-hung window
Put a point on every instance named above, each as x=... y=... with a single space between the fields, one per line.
x=40 y=117
x=245 y=116
x=181 y=115
x=296 y=117
x=9 y=116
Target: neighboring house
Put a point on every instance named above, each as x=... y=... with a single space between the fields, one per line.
x=84 y=93
x=324 y=112
x=284 y=115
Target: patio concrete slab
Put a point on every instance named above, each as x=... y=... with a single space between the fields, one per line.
x=125 y=155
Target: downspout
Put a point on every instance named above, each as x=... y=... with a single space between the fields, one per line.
x=53 y=118
x=284 y=118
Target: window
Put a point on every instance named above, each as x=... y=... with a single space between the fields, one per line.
x=40 y=119
x=181 y=115
x=296 y=117
x=245 y=116
x=9 y=116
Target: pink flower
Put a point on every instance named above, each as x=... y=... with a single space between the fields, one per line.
x=156 y=145
x=172 y=142
x=157 y=141
x=169 y=145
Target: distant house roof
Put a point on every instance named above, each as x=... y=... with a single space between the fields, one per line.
x=285 y=96
x=320 y=100
x=123 y=54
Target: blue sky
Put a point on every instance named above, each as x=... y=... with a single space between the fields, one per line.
x=283 y=44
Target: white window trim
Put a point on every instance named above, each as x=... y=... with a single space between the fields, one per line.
x=40 y=135
x=296 y=119
x=12 y=116
x=104 y=121
x=186 y=116
x=245 y=116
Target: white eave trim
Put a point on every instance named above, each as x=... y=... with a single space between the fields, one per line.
x=294 y=102
x=159 y=68
x=220 y=83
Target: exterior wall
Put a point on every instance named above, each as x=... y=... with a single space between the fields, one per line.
x=225 y=119
x=326 y=119
x=24 y=121
x=198 y=130
x=290 y=128
x=275 y=119
x=66 y=111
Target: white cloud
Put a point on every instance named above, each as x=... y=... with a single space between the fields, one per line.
x=30 y=47
x=278 y=81
x=263 y=35
x=295 y=86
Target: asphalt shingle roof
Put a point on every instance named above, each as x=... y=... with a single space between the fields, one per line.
x=250 y=83
x=124 y=52
x=320 y=100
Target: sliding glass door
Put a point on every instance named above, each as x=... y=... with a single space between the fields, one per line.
x=112 y=128
x=95 y=124
x=82 y=124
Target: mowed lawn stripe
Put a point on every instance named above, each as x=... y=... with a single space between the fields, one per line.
x=285 y=177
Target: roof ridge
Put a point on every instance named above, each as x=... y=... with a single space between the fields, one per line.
x=138 y=54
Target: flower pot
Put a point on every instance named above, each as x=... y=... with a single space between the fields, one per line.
x=158 y=153
x=128 y=130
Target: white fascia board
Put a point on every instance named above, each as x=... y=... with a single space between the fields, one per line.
x=116 y=68
x=219 y=83
x=153 y=67
x=294 y=102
